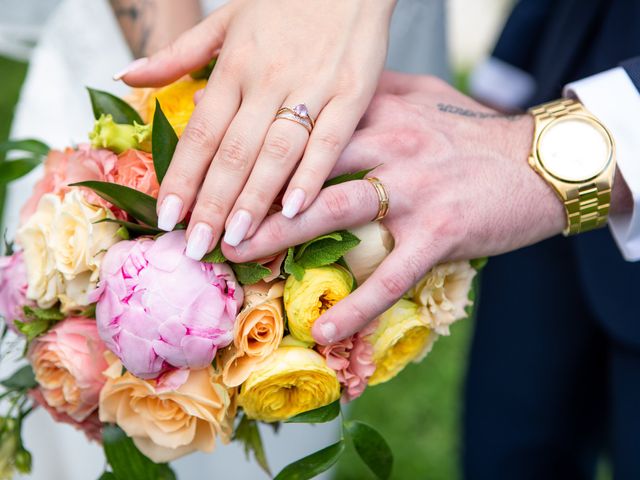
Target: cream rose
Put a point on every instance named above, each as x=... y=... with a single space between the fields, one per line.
x=376 y=242
x=63 y=247
x=443 y=294
x=179 y=413
x=258 y=331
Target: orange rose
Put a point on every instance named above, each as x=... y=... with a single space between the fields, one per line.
x=135 y=170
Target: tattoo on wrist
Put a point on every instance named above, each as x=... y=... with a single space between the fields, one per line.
x=136 y=18
x=464 y=112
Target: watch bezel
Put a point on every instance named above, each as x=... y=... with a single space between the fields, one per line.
x=594 y=123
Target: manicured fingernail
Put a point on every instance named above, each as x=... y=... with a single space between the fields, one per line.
x=169 y=213
x=294 y=203
x=238 y=228
x=199 y=241
x=136 y=64
x=328 y=331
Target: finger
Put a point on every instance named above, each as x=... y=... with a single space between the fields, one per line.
x=283 y=147
x=395 y=275
x=194 y=152
x=332 y=132
x=227 y=175
x=342 y=206
x=190 y=51
x=361 y=153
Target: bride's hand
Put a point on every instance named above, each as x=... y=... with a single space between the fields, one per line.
x=233 y=156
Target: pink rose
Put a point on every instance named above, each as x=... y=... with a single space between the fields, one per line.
x=68 y=362
x=135 y=170
x=71 y=166
x=157 y=308
x=13 y=288
x=352 y=360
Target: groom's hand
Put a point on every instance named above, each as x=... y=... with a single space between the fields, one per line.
x=459 y=184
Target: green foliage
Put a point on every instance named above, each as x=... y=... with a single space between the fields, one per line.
x=13 y=169
x=348 y=177
x=248 y=433
x=38 y=321
x=163 y=142
x=205 y=72
x=103 y=103
x=314 y=464
x=133 y=228
x=249 y=273
x=22 y=380
x=371 y=447
x=127 y=462
x=318 y=415
x=34 y=150
x=479 y=263
x=30 y=145
x=215 y=256
x=320 y=251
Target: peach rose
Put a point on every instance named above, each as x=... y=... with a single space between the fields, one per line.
x=135 y=170
x=179 y=413
x=68 y=362
x=258 y=330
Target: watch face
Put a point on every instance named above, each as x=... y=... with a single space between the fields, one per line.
x=574 y=149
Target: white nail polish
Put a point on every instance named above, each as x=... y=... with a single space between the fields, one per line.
x=328 y=331
x=294 y=203
x=130 y=68
x=199 y=241
x=169 y=212
x=238 y=228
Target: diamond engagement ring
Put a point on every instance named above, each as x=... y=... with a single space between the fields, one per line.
x=298 y=114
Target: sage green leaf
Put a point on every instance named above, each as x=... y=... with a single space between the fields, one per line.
x=27 y=145
x=33 y=329
x=215 y=256
x=319 y=415
x=248 y=433
x=314 y=464
x=137 y=204
x=249 y=273
x=22 y=379
x=51 y=314
x=291 y=267
x=479 y=263
x=127 y=462
x=332 y=236
x=104 y=103
x=163 y=142
x=134 y=228
x=348 y=177
x=326 y=250
x=11 y=170
x=371 y=447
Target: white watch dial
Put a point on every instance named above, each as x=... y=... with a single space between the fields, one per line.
x=574 y=149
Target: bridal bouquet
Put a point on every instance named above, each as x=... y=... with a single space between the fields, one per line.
x=155 y=355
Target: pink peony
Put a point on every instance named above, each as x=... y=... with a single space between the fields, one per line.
x=68 y=362
x=62 y=168
x=13 y=288
x=135 y=170
x=352 y=359
x=157 y=308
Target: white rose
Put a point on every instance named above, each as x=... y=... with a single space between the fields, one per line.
x=375 y=244
x=63 y=248
x=444 y=294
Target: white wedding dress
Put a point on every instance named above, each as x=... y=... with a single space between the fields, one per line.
x=80 y=45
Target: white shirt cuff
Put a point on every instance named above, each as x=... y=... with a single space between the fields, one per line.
x=501 y=85
x=612 y=97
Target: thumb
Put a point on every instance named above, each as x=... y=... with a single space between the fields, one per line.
x=192 y=50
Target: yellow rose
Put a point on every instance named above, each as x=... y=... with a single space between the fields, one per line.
x=257 y=332
x=180 y=413
x=400 y=337
x=175 y=99
x=292 y=380
x=443 y=294
x=63 y=248
x=376 y=242
x=307 y=299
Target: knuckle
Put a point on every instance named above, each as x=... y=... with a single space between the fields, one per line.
x=211 y=205
x=197 y=133
x=234 y=155
x=394 y=285
x=278 y=147
x=329 y=142
x=337 y=204
x=274 y=231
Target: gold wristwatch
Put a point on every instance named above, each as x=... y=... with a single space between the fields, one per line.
x=575 y=153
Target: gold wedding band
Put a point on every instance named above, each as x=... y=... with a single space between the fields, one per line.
x=383 y=198
x=298 y=114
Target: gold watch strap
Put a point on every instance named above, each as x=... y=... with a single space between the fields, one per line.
x=587 y=205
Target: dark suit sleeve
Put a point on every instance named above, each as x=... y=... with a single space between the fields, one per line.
x=632 y=67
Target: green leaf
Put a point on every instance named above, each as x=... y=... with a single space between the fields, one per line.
x=319 y=415
x=50 y=314
x=28 y=145
x=479 y=263
x=291 y=266
x=104 y=103
x=372 y=448
x=11 y=170
x=248 y=433
x=331 y=236
x=314 y=464
x=249 y=273
x=325 y=250
x=22 y=379
x=163 y=142
x=205 y=72
x=215 y=256
x=127 y=462
x=134 y=228
x=108 y=476
x=33 y=329
x=348 y=177
x=137 y=204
